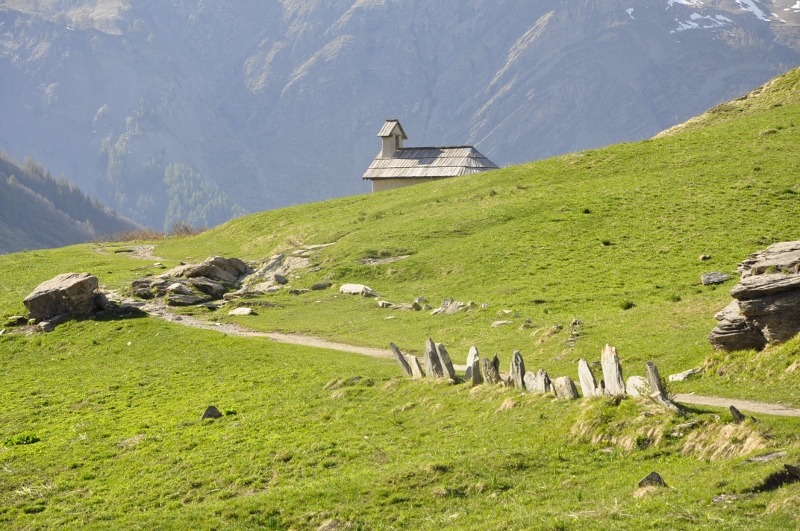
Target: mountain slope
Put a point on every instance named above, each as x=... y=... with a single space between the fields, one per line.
x=37 y=211
x=102 y=425
x=278 y=102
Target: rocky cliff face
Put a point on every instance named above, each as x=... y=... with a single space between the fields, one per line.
x=165 y=108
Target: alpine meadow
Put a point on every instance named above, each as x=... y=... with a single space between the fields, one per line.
x=101 y=418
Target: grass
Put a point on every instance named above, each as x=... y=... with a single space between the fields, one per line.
x=611 y=237
x=122 y=445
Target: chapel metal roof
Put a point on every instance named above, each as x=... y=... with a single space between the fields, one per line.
x=431 y=162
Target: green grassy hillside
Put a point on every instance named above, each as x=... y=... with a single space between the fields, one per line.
x=610 y=237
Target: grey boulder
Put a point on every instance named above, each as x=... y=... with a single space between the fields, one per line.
x=67 y=294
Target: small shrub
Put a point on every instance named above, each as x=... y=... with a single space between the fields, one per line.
x=20 y=440
x=627 y=305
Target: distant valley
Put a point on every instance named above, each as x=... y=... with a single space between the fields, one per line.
x=37 y=211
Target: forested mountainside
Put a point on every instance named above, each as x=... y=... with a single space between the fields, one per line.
x=201 y=110
x=37 y=211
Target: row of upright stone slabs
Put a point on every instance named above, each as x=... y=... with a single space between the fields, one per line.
x=438 y=364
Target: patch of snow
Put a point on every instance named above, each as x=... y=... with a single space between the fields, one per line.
x=629 y=11
x=796 y=6
x=684 y=3
x=698 y=21
x=750 y=5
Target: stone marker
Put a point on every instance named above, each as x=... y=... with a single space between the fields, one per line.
x=654 y=379
x=530 y=381
x=612 y=372
x=586 y=378
x=241 y=311
x=540 y=384
x=685 y=375
x=658 y=395
x=471 y=357
x=488 y=372
x=401 y=359
x=433 y=367
x=637 y=386
x=710 y=279
x=475 y=372
x=738 y=418
x=71 y=294
x=416 y=369
x=517 y=371
x=444 y=361
x=564 y=388
x=211 y=413
x=653 y=479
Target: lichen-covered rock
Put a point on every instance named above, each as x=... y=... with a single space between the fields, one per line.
x=68 y=294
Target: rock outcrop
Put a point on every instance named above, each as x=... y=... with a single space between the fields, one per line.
x=190 y=284
x=766 y=308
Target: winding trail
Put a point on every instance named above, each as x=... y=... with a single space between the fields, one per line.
x=159 y=310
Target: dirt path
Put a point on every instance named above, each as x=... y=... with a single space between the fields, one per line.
x=137 y=252
x=157 y=309
x=762 y=408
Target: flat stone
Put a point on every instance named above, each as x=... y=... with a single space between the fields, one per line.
x=209 y=287
x=710 y=279
x=653 y=479
x=401 y=359
x=498 y=324
x=586 y=379
x=211 y=413
x=436 y=311
x=385 y=304
x=179 y=289
x=685 y=375
x=474 y=370
x=472 y=355
x=241 y=311
x=433 y=367
x=357 y=289
x=177 y=299
x=69 y=293
x=416 y=368
x=446 y=363
x=612 y=372
x=298 y=291
x=319 y=286
x=637 y=386
x=489 y=373
x=738 y=418
x=517 y=371
x=564 y=388
x=280 y=279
